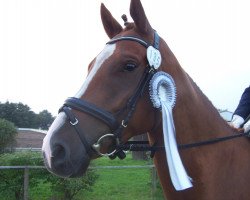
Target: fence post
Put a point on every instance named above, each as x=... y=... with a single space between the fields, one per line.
x=154 y=182
x=26 y=184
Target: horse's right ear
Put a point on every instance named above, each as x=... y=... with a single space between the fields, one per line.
x=111 y=26
x=140 y=19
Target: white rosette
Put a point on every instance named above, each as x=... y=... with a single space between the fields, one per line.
x=163 y=96
x=162 y=88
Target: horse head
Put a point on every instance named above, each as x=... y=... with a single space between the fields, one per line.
x=113 y=103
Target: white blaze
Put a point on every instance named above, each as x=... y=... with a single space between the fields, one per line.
x=58 y=122
x=100 y=59
x=61 y=118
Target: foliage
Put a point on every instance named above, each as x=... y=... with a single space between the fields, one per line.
x=7 y=133
x=45 y=119
x=19 y=114
x=22 y=116
x=11 y=184
x=68 y=188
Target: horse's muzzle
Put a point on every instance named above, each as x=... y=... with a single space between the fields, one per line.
x=65 y=164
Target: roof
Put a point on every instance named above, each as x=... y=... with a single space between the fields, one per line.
x=29 y=138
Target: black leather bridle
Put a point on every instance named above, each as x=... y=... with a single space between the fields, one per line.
x=106 y=117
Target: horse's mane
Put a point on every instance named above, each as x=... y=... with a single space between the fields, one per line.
x=210 y=105
x=197 y=88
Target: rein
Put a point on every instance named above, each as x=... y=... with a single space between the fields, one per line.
x=145 y=146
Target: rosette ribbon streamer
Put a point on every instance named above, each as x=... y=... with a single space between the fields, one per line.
x=163 y=96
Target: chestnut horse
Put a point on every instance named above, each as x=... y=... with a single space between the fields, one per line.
x=113 y=105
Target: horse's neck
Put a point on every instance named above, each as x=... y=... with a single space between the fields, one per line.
x=195 y=119
x=194 y=115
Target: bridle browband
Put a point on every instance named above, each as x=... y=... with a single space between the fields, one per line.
x=106 y=117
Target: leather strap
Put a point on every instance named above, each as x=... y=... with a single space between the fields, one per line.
x=156 y=40
x=74 y=122
x=93 y=110
x=129 y=38
x=140 y=41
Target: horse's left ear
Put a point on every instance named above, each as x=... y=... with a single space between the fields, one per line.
x=139 y=17
x=111 y=26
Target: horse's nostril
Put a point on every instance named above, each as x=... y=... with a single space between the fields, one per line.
x=58 y=152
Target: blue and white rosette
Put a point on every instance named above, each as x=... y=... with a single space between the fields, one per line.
x=163 y=96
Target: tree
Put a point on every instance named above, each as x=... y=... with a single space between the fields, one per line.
x=18 y=113
x=23 y=117
x=7 y=133
x=45 y=119
x=7 y=110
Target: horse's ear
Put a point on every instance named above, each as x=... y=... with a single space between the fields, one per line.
x=111 y=26
x=139 y=17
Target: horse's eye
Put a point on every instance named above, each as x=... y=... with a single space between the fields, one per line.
x=129 y=67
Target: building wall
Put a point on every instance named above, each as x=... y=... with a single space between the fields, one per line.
x=29 y=138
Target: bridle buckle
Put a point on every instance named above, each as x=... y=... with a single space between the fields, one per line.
x=74 y=123
x=124 y=124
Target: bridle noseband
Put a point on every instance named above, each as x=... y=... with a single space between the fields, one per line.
x=106 y=117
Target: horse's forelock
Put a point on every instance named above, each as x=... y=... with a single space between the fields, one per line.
x=129 y=26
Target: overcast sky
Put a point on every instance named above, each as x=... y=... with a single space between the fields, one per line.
x=46 y=46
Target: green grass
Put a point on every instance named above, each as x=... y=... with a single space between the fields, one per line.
x=122 y=184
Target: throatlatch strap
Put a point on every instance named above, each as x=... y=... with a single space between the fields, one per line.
x=156 y=40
